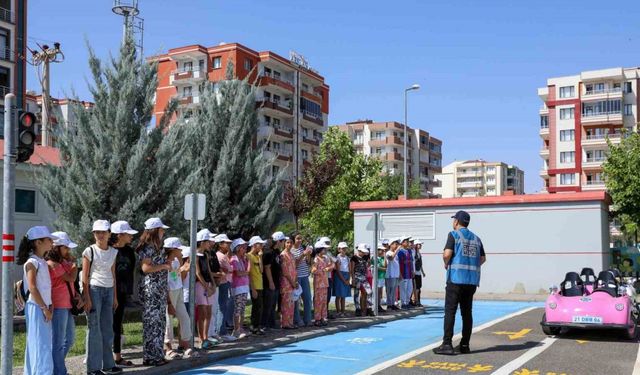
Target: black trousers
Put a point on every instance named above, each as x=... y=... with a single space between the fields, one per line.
x=458 y=294
x=118 y=317
x=269 y=300
x=256 y=310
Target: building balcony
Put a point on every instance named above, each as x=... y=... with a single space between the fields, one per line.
x=544 y=173
x=544 y=110
x=269 y=129
x=279 y=154
x=390 y=140
x=267 y=79
x=469 y=184
x=593 y=163
x=7 y=16
x=434 y=183
x=187 y=76
x=312 y=95
x=469 y=174
x=544 y=152
x=188 y=100
x=311 y=141
x=278 y=107
x=595 y=118
x=7 y=54
x=593 y=185
x=544 y=132
x=392 y=156
x=614 y=93
x=312 y=118
x=4 y=90
x=597 y=141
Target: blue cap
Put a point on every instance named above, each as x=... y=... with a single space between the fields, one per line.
x=463 y=217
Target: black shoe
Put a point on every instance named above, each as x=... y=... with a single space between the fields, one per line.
x=370 y=312
x=380 y=309
x=463 y=349
x=394 y=308
x=444 y=349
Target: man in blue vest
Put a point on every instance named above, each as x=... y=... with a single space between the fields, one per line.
x=463 y=256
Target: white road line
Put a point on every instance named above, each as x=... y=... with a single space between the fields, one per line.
x=526 y=357
x=326 y=356
x=248 y=370
x=636 y=367
x=404 y=357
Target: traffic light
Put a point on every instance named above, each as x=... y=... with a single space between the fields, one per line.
x=26 y=135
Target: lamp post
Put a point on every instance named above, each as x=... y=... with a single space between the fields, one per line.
x=406 y=127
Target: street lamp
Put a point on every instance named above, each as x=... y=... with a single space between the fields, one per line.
x=406 y=126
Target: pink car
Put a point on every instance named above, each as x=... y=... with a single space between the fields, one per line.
x=610 y=305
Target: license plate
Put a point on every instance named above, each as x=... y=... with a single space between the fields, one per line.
x=587 y=319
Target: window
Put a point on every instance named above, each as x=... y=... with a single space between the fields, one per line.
x=5 y=45
x=305 y=133
x=566 y=113
x=627 y=87
x=187 y=66
x=601 y=108
x=423 y=140
x=276 y=122
x=567 y=157
x=616 y=86
x=567 y=92
x=567 y=179
x=358 y=138
x=275 y=170
x=305 y=154
x=567 y=135
x=276 y=74
x=544 y=122
x=628 y=109
x=247 y=64
x=217 y=62
x=201 y=65
x=378 y=150
x=186 y=91
x=276 y=146
x=310 y=108
x=25 y=201
x=491 y=169
x=305 y=87
x=378 y=136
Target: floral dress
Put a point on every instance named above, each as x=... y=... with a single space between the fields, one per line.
x=153 y=292
x=320 y=288
x=288 y=265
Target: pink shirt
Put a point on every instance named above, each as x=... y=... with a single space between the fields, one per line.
x=59 y=293
x=239 y=265
x=225 y=266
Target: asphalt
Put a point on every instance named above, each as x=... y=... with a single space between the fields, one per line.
x=510 y=347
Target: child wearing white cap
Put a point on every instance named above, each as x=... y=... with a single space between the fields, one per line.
x=154 y=291
x=341 y=281
x=63 y=272
x=205 y=288
x=358 y=268
x=321 y=265
x=256 y=269
x=239 y=284
x=38 y=309
x=98 y=280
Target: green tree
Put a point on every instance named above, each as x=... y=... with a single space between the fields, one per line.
x=232 y=171
x=112 y=166
x=393 y=186
x=622 y=178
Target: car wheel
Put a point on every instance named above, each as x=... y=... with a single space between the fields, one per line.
x=549 y=331
x=631 y=332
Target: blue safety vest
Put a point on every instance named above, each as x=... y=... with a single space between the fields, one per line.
x=464 y=267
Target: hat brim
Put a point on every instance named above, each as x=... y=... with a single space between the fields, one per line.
x=257 y=242
x=218 y=241
x=72 y=245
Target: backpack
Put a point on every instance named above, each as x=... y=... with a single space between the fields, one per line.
x=20 y=296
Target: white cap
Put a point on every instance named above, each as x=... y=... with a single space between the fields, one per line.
x=278 y=236
x=101 y=226
x=385 y=241
x=256 y=239
x=237 y=242
x=325 y=239
x=172 y=243
x=63 y=240
x=417 y=242
x=122 y=226
x=36 y=233
x=381 y=247
x=221 y=238
x=364 y=248
x=204 y=235
x=154 y=223
x=186 y=251
x=343 y=245
x=321 y=245
x=404 y=238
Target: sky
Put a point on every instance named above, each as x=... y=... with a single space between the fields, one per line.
x=479 y=63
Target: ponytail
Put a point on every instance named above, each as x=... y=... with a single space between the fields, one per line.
x=26 y=248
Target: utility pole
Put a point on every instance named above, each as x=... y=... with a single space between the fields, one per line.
x=8 y=235
x=43 y=58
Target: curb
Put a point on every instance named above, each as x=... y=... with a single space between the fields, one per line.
x=188 y=364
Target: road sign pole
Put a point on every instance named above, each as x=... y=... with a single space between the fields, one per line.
x=374 y=250
x=8 y=236
x=192 y=270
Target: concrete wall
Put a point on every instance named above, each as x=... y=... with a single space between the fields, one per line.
x=530 y=244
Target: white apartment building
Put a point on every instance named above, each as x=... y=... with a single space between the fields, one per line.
x=578 y=114
x=386 y=140
x=474 y=178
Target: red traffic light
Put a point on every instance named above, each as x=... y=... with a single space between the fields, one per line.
x=27 y=119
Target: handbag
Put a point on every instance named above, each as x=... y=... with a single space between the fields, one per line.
x=76 y=302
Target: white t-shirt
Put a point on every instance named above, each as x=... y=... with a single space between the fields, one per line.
x=343 y=263
x=185 y=288
x=174 y=277
x=393 y=267
x=100 y=272
x=43 y=279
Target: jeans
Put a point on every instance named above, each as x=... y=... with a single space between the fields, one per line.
x=256 y=310
x=392 y=287
x=306 y=300
x=118 y=317
x=406 y=288
x=226 y=307
x=269 y=307
x=461 y=294
x=99 y=339
x=64 y=330
x=37 y=354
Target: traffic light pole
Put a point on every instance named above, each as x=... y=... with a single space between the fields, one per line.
x=8 y=236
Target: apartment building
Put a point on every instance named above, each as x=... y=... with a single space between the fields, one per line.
x=475 y=178
x=292 y=98
x=578 y=115
x=61 y=114
x=13 y=38
x=386 y=141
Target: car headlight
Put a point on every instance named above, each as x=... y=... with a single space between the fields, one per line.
x=619 y=306
x=552 y=305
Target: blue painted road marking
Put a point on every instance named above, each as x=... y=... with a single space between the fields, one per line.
x=357 y=350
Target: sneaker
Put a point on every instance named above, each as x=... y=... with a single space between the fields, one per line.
x=213 y=340
x=240 y=335
x=114 y=370
x=229 y=338
x=463 y=349
x=444 y=349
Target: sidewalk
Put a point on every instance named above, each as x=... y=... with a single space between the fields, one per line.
x=248 y=345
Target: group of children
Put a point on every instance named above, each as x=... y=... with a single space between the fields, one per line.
x=274 y=273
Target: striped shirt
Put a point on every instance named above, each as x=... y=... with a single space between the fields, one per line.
x=303 y=268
